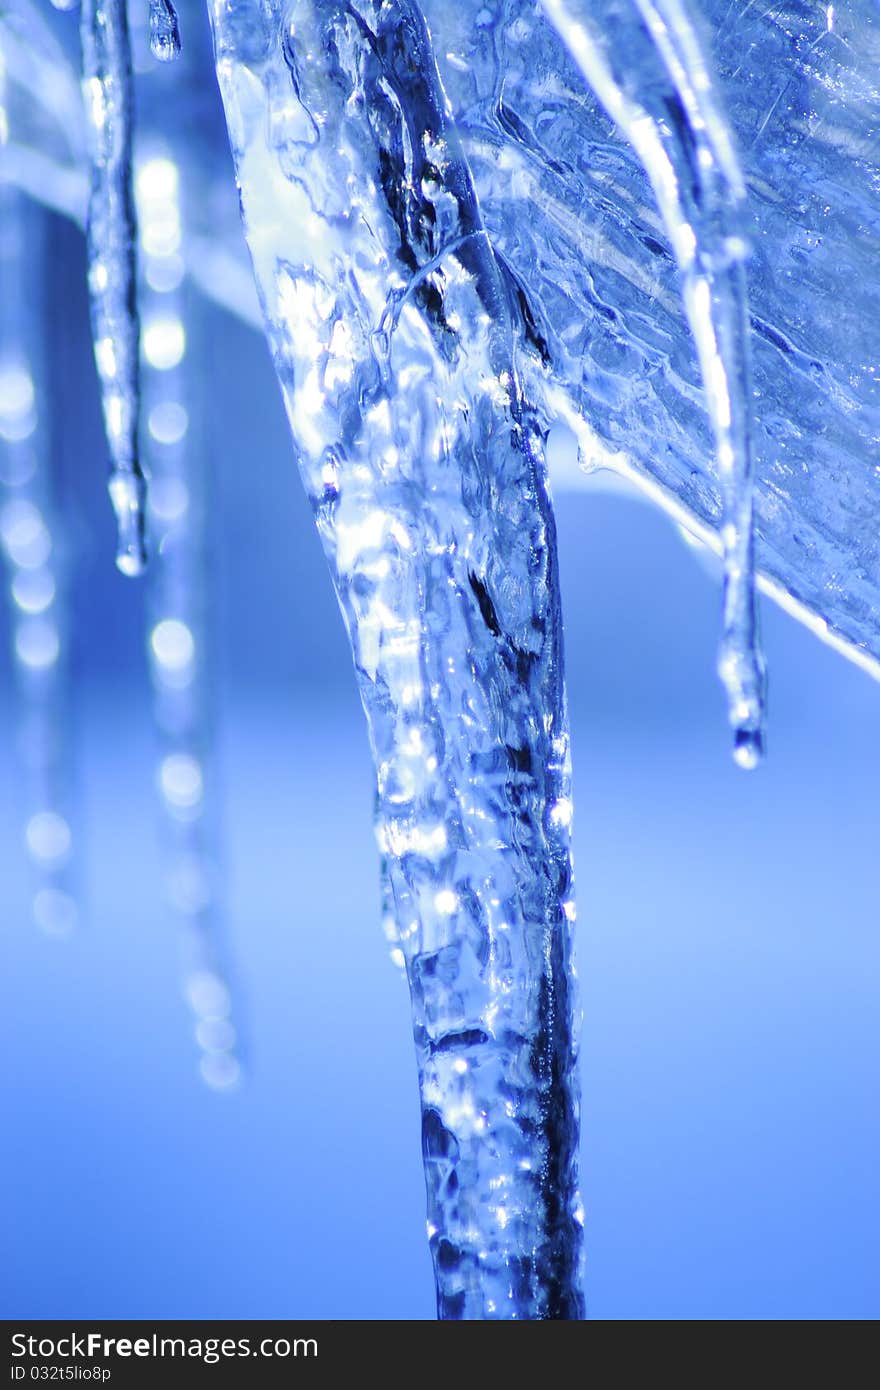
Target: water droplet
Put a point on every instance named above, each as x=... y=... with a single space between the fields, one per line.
x=128 y=492
x=748 y=748
x=48 y=837
x=164 y=31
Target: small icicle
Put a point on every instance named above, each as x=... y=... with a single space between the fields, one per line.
x=740 y=661
x=164 y=31
x=644 y=62
x=112 y=237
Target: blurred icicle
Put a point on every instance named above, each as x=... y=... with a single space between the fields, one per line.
x=667 y=110
x=27 y=536
x=178 y=639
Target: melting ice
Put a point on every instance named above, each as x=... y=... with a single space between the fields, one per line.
x=471 y=226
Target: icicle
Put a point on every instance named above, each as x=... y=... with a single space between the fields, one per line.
x=662 y=99
x=30 y=553
x=107 y=85
x=164 y=31
x=177 y=601
x=392 y=336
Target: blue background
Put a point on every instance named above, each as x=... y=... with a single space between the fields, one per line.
x=728 y=948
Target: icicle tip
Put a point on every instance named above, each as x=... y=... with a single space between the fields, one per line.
x=164 y=31
x=128 y=493
x=748 y=748
x=741 y=668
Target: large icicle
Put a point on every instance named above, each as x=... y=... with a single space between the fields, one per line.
x=643 y=60
x=107 y=86
x=392 y=334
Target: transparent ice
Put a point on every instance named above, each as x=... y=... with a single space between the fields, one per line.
x=636 y=235
x=110 y=229
x=164 y=31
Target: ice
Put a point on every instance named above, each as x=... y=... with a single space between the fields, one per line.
x=112 y=242
x=164 y=31
x=393 y=334
x=627 y=235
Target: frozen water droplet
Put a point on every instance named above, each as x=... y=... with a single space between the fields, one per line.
x=131 y=561
x=164 y=31
x=128 y=495
x=748 y=748
x=742 y=674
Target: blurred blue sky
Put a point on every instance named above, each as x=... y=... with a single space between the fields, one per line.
x=728 y=952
